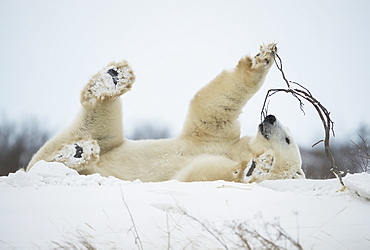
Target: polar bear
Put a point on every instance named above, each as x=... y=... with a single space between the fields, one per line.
x=208 y=148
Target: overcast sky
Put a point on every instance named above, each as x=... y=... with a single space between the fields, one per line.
x=49 y=50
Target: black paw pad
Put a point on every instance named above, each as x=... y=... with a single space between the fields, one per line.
x=251 y=169
x=79 y=152
x=114 y=74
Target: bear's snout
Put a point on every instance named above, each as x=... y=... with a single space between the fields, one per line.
x=265 y=126
x=270 y=119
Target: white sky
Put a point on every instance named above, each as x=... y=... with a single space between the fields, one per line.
x=49 y=49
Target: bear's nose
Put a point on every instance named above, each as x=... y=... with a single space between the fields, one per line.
x=270 y=119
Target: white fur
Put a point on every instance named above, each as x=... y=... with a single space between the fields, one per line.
x=208 y=148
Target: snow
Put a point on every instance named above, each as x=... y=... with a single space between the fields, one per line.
x=53 y=206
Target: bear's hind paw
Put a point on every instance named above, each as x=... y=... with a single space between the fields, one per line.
x=79 y=154
x=113 y=81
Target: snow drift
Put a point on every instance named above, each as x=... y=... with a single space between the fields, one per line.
x=54 y=206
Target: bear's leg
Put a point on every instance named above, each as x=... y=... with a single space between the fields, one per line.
x=101 y=117
x=98 y=126
x=214 y=110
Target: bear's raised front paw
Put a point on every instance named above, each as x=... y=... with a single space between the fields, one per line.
x=112 y=81
x=258 y=168
x=79 y=154
x=265 y=58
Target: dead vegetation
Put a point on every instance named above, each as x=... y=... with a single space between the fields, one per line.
x=18 y=142
x=302 y=93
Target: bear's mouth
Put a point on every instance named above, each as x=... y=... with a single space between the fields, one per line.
x=264 y=131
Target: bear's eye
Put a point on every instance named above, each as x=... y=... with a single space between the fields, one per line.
x=236 y=172
x=287 y=140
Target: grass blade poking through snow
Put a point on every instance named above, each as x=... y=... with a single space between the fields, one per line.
x=137 y=238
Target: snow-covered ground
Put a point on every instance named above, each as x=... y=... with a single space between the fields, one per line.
x=52 y=206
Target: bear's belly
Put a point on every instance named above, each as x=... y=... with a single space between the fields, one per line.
x=154 y=160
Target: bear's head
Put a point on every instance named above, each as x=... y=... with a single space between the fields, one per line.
x=277 y=140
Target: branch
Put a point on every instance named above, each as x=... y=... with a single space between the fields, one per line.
x=302 y=93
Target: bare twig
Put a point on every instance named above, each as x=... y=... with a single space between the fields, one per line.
x=300 y=93
x=211 y=231
x=271 y=236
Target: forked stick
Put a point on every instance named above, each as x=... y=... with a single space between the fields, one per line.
x=300 y=92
